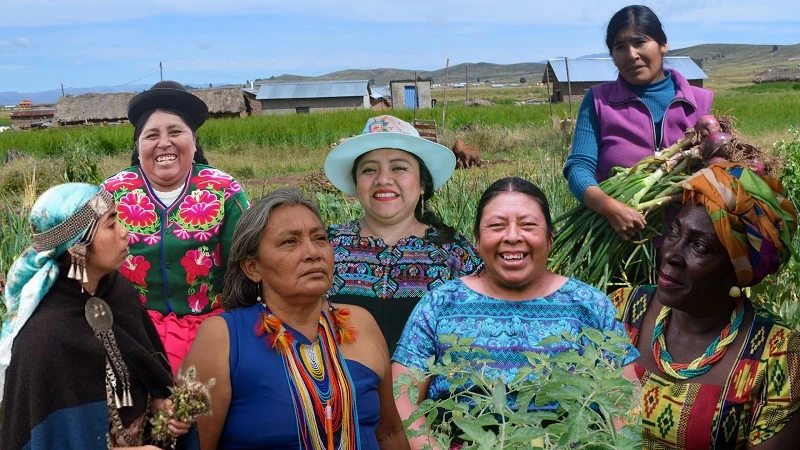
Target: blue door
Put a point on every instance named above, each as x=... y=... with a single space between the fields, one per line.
x=411 y=97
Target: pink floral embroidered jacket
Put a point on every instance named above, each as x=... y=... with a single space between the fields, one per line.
x=178 y=254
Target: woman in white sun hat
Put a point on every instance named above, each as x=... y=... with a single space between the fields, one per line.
x=387 y=260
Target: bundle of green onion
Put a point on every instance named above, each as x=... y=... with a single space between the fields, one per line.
x=585 y=245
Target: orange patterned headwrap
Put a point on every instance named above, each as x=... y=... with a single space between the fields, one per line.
x=751 y=215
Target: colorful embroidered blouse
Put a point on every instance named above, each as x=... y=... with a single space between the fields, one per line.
x=761 y=393
x=389 y=280
x=504 y=329
x=178 y=253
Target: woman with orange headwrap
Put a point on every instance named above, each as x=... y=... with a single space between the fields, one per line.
x=715 y=372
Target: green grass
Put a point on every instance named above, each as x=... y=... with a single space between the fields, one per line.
x=790 y=87
x=759 y=113
x=4 y=122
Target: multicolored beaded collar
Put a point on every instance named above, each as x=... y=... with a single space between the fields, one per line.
x=715 y=351
x=321 y=387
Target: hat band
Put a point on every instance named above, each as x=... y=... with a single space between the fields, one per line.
x=98 y=205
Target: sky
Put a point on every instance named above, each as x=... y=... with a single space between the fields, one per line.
x=83 y=43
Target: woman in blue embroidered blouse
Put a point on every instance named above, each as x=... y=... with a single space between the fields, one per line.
x=387 y=260
x=511 y=305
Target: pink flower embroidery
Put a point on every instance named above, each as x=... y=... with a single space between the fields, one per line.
x=136 y=211
x=142 y=299
x=203 y=236
x=123 y=180
x=200 y=208
x=180 y=233
x=152 y=239
x=196 y=263
x=212 y=178
x=135 y=269
x=133 y=237
x=216 y=255
x=199 y=299
x=232 y=190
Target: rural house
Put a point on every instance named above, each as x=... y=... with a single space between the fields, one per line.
x=106 y=108
x=92 y=108
x=229 y=101
x=587 y=72
x=316 y=96
x=380 y=98
x=31 y=118
x=405 y=95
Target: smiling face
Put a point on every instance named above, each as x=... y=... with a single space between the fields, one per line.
x=638 y=57
x=513 y=241
x=388 y=185
x=695 y=265
x=294 y=257
x=109 y=248
x=166 y=150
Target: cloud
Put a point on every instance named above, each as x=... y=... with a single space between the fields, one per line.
x=19 y=41
x=22 y=41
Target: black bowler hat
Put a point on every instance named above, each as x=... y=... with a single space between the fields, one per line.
x=169 y=95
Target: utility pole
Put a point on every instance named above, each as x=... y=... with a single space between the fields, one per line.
x=161 y=70
x=467 y=80
x=62 y=89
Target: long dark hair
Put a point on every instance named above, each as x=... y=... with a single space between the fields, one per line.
x=513 y=184
x=199 y=156
x=637 y=18
x=445 y=233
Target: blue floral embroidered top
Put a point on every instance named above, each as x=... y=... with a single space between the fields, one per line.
x=389 y=280
x=503 y=328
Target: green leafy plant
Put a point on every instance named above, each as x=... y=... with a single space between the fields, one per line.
x=190 y=399
x=584 y=388
x=778 y=293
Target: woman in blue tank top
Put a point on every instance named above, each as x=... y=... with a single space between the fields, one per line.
x=291 y=370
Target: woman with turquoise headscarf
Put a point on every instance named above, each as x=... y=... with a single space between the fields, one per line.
x=81 y=365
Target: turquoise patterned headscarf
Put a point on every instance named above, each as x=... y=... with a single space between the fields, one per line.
x=34 y=272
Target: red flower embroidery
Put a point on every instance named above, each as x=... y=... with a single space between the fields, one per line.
x=200 y=208
x=212 y=178
x=126 y=180
x=135 y=210
x=135 y=269
x=199 y=299
x=197 y=264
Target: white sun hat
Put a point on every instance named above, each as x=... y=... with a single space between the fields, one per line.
x=387 y=132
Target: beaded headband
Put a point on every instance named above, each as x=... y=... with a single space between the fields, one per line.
x=85 y=218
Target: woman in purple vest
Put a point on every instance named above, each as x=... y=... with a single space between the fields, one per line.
x=620 y=122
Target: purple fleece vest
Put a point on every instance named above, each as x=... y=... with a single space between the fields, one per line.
x=627 y=132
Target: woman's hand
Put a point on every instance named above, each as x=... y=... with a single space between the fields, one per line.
x=625 y=220
x=176 y=427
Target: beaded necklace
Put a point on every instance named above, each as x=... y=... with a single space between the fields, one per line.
x=715 y=351
x=321 y=388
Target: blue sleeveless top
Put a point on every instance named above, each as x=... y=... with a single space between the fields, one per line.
x=261 y=413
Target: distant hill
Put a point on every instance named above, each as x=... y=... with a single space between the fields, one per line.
x=723 y=63
x=456 y=73
x=738 y=63
x=51 y=96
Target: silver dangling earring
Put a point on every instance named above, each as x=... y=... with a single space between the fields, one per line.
x=735 y=292
x=258 y=292
x=422 y=208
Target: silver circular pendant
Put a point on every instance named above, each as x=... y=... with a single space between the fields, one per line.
x=98 y=314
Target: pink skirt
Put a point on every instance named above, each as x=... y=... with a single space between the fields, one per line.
x=177 y=333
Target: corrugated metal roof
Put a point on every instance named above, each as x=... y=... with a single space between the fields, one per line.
x=603 y=69
x=379 y=91
x=317 y=89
